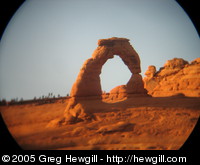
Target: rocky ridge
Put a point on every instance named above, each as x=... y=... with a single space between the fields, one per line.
x=177 y=77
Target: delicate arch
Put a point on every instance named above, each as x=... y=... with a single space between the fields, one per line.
x=88 y=81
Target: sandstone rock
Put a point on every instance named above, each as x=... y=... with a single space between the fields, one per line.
x=118 y=92
x=196 y=61
x=117 y=127
x=118 y=89
x=88 y=82
x=110 y=41
x=176 y=77
x=150 y=71
x=56 y=123
x=175 y=63
x=135 y=85
x=150 y=84
x=149 y=80
x=77 y=111
x=172 y=67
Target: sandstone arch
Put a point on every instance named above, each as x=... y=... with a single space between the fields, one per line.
x=88 y=81
x=81 y=105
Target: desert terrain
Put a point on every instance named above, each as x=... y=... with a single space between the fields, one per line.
x=136 y=123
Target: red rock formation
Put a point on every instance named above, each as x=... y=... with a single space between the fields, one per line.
x=176 y=77
x=118 y=92
x=150 y=72
x=88 y=82
x=149 y=80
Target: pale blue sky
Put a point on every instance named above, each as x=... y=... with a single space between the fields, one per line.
x=47 y=41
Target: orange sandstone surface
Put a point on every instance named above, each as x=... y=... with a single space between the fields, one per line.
x=133 y=123
x=176 y=77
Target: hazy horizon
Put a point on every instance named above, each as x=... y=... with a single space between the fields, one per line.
x=46 y=42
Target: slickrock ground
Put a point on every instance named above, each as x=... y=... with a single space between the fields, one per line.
x=133 y=123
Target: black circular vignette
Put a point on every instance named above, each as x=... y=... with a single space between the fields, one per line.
x=8 y=9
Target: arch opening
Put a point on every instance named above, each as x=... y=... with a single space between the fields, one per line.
x=88 y=82
x=114 y=73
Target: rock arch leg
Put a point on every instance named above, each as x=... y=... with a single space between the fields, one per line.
x=88 y=83
x=135 y=85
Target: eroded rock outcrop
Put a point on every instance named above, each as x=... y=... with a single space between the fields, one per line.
x=88 y=82
x=176 y=77
x=150 y=81
x=118 y=92
x=150 y=72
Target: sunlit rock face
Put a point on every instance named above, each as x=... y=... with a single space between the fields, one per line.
x=88 y=84
x=118 y=93
x=176 y=77
x=88 y=81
